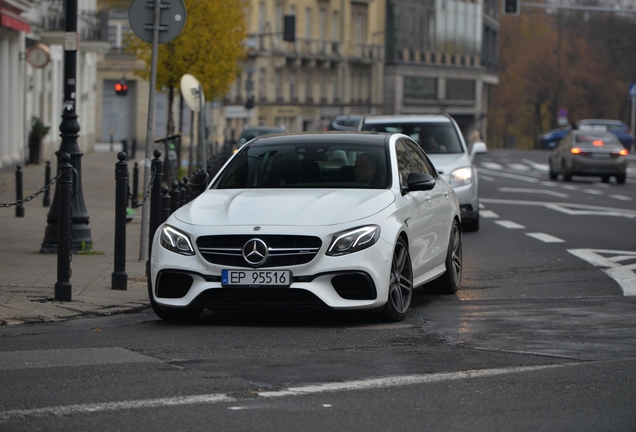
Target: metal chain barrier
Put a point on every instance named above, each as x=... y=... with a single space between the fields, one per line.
x=135 y=203
x=32 y=196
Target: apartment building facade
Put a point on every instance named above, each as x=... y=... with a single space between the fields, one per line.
x=334 y=66
x=32 y=70
x=441 y=57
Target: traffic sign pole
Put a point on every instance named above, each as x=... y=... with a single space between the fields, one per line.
x=632 y=93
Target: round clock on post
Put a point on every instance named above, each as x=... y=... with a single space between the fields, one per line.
x=38 y=55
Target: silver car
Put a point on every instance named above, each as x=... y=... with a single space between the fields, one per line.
x=589 y=153
x=442 y=140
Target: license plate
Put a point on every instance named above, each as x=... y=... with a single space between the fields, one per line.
x=601 y=155
x=256 y=278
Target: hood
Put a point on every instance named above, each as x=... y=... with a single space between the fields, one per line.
x=294 y=207
x=446 y=163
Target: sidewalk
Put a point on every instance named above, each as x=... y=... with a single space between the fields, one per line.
x=27 y=278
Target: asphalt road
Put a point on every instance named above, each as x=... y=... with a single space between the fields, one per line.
x=541 y=336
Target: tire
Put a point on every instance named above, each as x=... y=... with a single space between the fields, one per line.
x=449 y=281
x=471 y=225
x=605 y=179
x=566 y=175
x=553 y=175
x=172 y=314
x=400 y=284
x=620 y=179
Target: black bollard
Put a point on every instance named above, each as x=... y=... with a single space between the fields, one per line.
x=184 y=191
x=156 y=166
x=133 y=148
x=46 y=202
x=165 y=203
x=119 y=278
x=135 y=191
x=63 y=287
x=175 y=197
x=19 y=209
x=124 y=146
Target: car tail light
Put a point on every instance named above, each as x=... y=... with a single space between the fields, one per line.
x=597 y=143
x=623 y=152
x=575 y=150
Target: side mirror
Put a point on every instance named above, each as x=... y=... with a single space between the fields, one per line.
x=420 y=181
x=478 y=147
x=198 y=182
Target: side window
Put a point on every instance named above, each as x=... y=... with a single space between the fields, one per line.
x=403 y=162
x=422 y=161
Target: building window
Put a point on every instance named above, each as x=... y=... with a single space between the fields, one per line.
x=278 y=25
x=460 y=90
x=334 y=26
x=322 y=25
x=308 y=86
x=278 y=84
x=323 y=87
x=292 y=86
x=261 y=17
x=262 y=84
x=420 y=88
x=308 y=23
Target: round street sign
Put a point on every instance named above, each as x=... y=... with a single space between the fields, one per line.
x=562 y=112
x=141 y=15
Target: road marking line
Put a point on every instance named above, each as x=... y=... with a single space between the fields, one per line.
x=396 y=381
x=535 y=191
x=593 y=192
x=486 y=178
x=509 y=224
x=568 y=187
x=492 y=165
x=567 y=208
x=115 y=406
x=519 y=167
x=546 y=238
x=537 y=166
x=624 y=275
x=512 y=176
x=549 y=184
x=488 y=214
x=621 y=197
x=353 y=385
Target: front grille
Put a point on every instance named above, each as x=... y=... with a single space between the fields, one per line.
x=283 y=250
x=354 y=286
x=257 y=298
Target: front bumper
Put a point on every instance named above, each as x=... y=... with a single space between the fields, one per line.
x=355 y=281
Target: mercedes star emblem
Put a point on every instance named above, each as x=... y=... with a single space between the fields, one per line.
x=255 y=252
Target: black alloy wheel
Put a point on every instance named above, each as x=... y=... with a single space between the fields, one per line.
x=449 y=281
x=400 y=284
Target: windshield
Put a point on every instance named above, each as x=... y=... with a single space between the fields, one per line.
x=307 y=165
x=592 y=140
x=432 y=137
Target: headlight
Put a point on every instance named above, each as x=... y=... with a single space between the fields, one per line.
x=176 y=241
x=461 y=176
x=353 y=241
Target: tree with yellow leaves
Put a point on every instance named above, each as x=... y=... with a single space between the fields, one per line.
x=209 y=47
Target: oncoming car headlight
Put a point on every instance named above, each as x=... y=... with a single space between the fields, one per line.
x=176 y=241
x=353 y=240
x=461 y=176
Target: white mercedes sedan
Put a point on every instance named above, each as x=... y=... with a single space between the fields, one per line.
x=342 y=220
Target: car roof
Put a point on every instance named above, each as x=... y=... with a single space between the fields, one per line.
x=327 y=137
x=408 y=118
x=272 y=128
x=593 y=133
x=599 y=121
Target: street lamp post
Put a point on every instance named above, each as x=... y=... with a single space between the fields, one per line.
x=69 y=128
